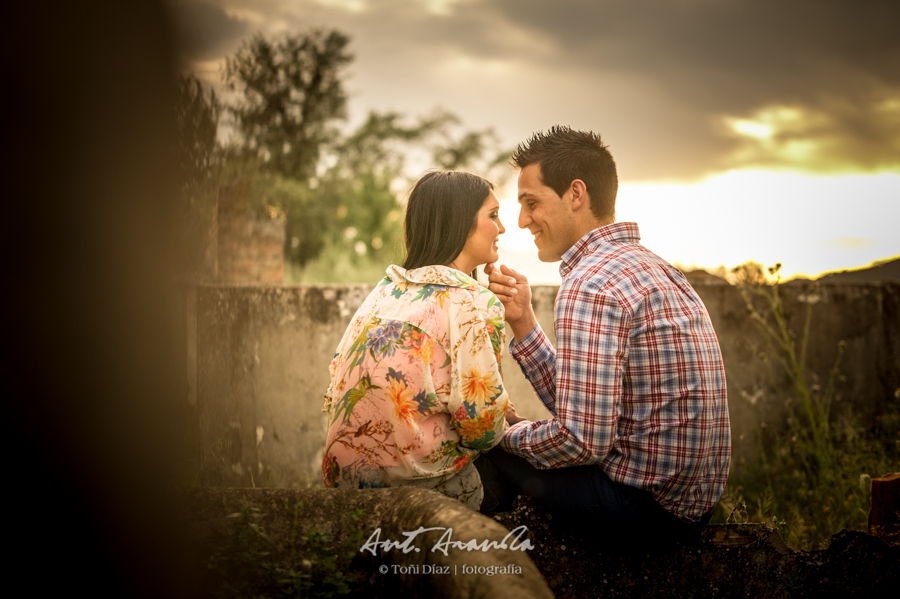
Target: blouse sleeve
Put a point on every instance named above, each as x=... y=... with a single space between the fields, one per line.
x=478 y=399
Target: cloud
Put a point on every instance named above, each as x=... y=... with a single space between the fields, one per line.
x=830 y=137
x=680 y=88
x=206 y=31
x=834 y=64
x=736 y=53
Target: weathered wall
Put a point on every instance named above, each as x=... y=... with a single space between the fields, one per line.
x=864 y=316
x=262 y=354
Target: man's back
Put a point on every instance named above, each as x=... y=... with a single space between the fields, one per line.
x=635 y=347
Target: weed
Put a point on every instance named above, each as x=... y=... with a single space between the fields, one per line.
x=741 y=509
x=792 y=583
x=809 y=422
x=814 y=472
x=251 y=565
x=782 y=527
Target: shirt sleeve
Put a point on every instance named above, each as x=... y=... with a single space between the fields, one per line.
x=478 y=398
x=592 y=332
x=537 y=359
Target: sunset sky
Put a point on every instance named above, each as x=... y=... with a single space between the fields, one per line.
x=742 y=129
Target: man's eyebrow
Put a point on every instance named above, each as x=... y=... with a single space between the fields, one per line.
x=524 y=194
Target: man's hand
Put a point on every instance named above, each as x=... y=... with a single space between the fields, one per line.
x=512 y=289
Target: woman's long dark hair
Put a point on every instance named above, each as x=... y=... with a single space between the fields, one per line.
x=440 y=213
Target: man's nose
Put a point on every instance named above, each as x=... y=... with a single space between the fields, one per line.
x=524 y=219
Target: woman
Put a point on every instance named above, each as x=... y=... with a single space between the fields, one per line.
x=415 y=390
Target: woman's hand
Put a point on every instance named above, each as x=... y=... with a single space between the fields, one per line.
x=511 y=416
x=512 y=289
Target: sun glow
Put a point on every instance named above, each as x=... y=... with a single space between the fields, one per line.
x=752 y=128
x=811 y=224
x=769 y=121
x=353 y=6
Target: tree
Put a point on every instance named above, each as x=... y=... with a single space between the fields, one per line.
x=475 y=150
x=197 y=118
x=199 y=159
x=290 y=94
x=337 y=193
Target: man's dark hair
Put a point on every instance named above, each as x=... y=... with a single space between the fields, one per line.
x=566 y=155
x=440 y=214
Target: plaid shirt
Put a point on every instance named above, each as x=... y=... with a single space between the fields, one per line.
x=637 y=384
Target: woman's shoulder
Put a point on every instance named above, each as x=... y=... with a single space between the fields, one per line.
x=451 y=290
x=479 y=299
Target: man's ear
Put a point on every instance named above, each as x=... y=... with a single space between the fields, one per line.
x=579 y=195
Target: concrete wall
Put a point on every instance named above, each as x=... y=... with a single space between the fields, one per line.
x=260 y=356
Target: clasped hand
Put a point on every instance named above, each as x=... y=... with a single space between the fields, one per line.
x=513 y=291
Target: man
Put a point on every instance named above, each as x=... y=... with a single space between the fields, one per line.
x=640 y=438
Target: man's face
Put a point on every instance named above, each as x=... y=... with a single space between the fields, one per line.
x=548 y=216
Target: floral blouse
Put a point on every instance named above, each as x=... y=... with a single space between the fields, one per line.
x=416 y=390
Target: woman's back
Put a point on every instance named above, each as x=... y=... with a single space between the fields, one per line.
x=416 y=389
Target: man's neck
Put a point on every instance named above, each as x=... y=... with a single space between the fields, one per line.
x=588 y=224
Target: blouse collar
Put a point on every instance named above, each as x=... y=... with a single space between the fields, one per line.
x=432 y=275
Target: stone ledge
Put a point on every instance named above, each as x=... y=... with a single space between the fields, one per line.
x=394 y=511
x=743 y=560
x=738 y=560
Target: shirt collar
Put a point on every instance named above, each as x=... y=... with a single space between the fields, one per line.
x=615 y=233
x=432 y=275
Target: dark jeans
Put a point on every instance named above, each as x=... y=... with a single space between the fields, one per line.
x=583 y=497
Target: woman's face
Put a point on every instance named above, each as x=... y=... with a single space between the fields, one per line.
x=481 y=246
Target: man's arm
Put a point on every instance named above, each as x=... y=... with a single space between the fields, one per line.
x=531 y=349
x=537 y=359
x=592 y=346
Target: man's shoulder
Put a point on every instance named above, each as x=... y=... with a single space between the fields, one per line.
x=627 y=270
x=606 y=264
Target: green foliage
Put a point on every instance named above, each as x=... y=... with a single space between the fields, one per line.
x=310 y=565
x=811 y=473
x=351 y=228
